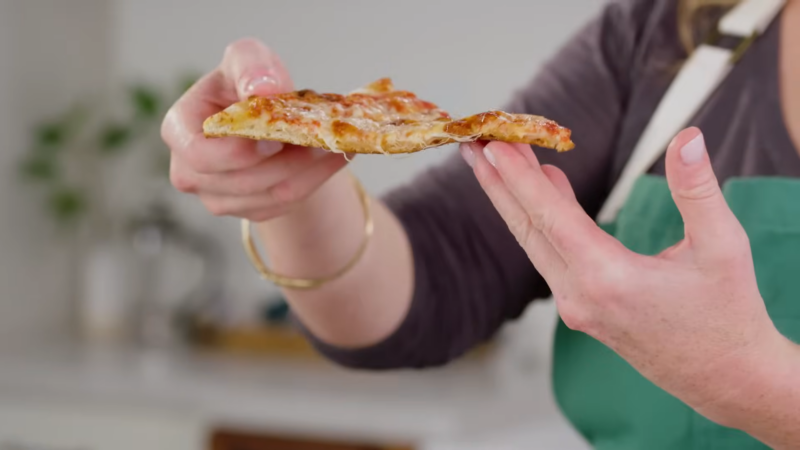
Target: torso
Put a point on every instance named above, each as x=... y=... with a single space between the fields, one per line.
x=744 y=124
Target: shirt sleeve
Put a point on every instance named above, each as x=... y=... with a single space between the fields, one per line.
x=471 y=275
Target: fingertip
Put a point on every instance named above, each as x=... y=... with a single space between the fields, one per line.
x=496 y=146
x=496 y=149
x=467 y=154
x=260 y=83
x=687 y=158
x=268 y=148
x=485 y=172
x=681 y=139
x=559 y=180
x=693 y=151
x=254 y=69
x=489 y=153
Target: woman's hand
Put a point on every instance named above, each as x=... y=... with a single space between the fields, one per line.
x=240 y=177
x=299 y=198
x=690 y=319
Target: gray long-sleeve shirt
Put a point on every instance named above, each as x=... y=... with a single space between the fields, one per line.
x=471 y=276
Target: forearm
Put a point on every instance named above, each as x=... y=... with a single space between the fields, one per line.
x=765 y=400
x=319 y=237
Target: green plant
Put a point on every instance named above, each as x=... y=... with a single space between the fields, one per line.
x=85 y=136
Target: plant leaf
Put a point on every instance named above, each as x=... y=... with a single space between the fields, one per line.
x=114 y=137
x=77 y=117
x=66 y=204
x=146 y=101
x=39 y=167
x=51 y=135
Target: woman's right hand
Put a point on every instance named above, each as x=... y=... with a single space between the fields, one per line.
x=256 y=180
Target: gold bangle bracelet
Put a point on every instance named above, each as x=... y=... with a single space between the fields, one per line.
x=302 y=283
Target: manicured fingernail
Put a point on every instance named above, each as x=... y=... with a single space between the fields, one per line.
x=259 y=83
x=467 y=154
x=318 y=152
x=694 y=150
x=268 y=148
x=487 y=152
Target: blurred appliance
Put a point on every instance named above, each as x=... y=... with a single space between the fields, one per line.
x=181 y=277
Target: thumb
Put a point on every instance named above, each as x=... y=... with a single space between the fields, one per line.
x=254 y=69
x=707 y=219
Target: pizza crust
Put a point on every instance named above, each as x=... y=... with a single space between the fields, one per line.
x=375 y=119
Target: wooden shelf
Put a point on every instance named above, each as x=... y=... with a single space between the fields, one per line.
x=233 y=440
x=280 y=341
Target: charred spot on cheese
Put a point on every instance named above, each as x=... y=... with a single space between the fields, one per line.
x=344 y=129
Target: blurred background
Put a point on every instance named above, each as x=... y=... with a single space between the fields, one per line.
x=130 y=318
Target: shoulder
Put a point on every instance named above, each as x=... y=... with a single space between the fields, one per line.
x=627 y=41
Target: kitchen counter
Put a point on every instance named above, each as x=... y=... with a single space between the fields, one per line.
x=464 y=401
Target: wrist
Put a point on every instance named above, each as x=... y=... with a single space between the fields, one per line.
x=758 y=385
x=319 y=234
x=332 y=204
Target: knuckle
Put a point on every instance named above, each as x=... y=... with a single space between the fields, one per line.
x=522 y=229
x=169 y=126
x=180 y=142
x=604 y=284
x=574 y=317
x=733 y=250
x=544 y=222
x=241 y=186
x=216 y=208
x=705 y=189
x=739 y=253
x=165 y=127
x=193 y=158
x=261 y=216
x=179 y=181
x=284 y=194
x=574 y=321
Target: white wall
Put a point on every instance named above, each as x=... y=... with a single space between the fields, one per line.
x=465 y=55
x=50 y=51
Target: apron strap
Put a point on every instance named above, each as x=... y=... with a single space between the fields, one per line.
x=703 y=72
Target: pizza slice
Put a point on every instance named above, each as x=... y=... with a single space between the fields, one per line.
x=375 y=119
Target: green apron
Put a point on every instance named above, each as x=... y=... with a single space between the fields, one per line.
x=608 y=401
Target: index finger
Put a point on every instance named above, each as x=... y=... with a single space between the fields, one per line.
x=248 y=68
x=558 y=217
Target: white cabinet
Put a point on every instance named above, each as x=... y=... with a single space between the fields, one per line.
x=40 y=426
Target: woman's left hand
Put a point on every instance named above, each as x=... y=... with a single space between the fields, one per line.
x=690 y=319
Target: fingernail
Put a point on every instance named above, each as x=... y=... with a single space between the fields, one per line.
x=259 y=83
x=487 y=152
x=694 y=150
x=268 y=148
x=467 y=154
x=318 y=152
